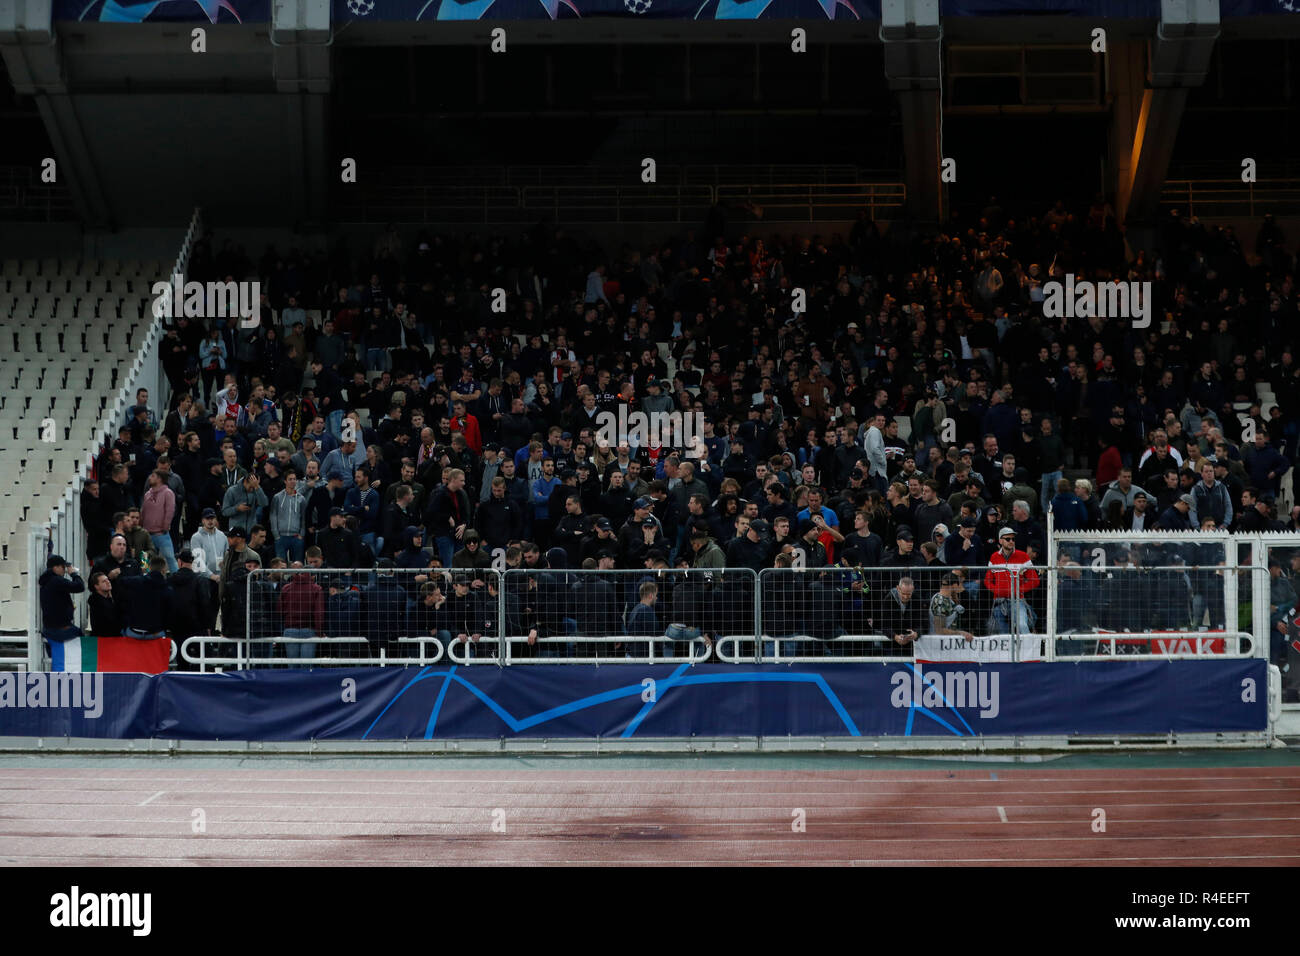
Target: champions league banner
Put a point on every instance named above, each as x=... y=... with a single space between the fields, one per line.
x=447 y=702
x=164 y=11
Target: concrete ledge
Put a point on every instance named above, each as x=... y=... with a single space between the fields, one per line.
x=425 y=748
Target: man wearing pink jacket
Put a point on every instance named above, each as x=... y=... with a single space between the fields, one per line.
x=156 y=513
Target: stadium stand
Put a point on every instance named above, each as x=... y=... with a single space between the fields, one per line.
x=986 y=404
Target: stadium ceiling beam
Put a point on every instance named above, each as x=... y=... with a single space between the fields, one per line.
x=31 y=53
x=301 y=38
x=1151 y=93
x=912 y=38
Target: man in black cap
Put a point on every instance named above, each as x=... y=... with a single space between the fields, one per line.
x=339 y=547
x=904 y=554
x=58 y=583
x=1142 y=516
x=705 y=552
x=814 y=551
x=641 y=533
x=1180 y=516
x=232 y=561
x=489 y=468
x=192 y=609
x=602 y=539
x=588 y=485
x=208 y=545
x=473 y=555
x=753 y=549
x=325 y=498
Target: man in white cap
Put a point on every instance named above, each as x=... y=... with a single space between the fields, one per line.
x=1009 y=577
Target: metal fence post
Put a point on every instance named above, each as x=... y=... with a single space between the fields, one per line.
x=758 y=615
x=502 y=643
x=1015 y=613
x=35 y=559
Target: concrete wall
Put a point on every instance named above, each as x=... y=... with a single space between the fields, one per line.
x=159 y=156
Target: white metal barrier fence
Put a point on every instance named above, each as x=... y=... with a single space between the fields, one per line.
x=296 y=616
x=611 y=616
x=1142 y=611
x=281 y=616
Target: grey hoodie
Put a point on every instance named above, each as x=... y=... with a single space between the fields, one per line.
x=288 y=514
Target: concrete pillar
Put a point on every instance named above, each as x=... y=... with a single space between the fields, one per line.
x=1149 y=101
x=909 y=30
x=301 y=37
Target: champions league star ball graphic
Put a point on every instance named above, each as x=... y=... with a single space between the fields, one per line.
x=637 y=6
x=758 y=9
x=360 y=8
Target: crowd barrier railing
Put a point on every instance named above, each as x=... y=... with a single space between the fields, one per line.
x=830 y=614
x=281 y=616
x=624 y=616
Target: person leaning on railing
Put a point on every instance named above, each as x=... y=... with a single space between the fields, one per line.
x=302 y=607
x=1009 y=605
x=57 y=585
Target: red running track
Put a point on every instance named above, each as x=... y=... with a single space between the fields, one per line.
x=1239 y=816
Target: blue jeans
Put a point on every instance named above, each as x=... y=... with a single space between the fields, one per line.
x=570 y=626
x=299 y=650
x=446 y=548
x=136 y=634
x=334 y=424
x=1007 y=609
x=788 y=647
x=163 y=542
x=1048 y=490
x=378 y=359
x=374 y=542
x=674 y=633
x=290 y=548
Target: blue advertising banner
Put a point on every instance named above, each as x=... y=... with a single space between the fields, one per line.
x=39 y=704
x=708 y=700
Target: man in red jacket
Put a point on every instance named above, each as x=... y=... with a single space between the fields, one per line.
x=462 y=421
x=1009 y=587
x=302 y=605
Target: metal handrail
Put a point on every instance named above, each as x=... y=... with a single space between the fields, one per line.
x=1113 y=639
x=620 y=202
x=613 y=175
x=1216 y=196
x=696 y=643
x=245 y=658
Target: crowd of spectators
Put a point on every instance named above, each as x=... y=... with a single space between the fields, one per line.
x=919 y=414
